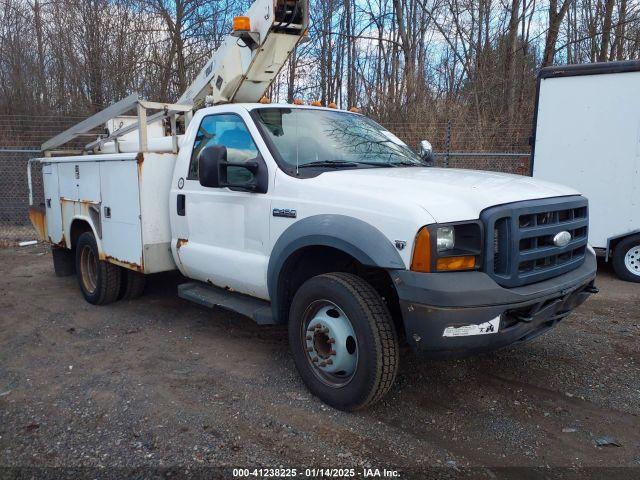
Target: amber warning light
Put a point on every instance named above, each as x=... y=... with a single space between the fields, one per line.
x=241 y=24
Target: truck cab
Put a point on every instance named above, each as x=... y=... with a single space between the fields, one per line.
x=283 y=202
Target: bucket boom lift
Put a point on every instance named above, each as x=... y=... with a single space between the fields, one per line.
x=240 y=70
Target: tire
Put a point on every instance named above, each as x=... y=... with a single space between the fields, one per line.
x=64 y=263
x=99 y=280
x=132 y=285
x=339 y=305
x=626 y=259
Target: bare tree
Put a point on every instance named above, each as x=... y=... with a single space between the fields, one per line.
x=556 y=15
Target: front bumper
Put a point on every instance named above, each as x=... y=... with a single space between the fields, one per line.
x=462 y=313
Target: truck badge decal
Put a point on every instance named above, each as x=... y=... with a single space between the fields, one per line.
x=284 y=212
x=562 y=239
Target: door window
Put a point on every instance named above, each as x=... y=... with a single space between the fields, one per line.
x=230 y=131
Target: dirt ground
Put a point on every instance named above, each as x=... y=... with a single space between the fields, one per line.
x=162 y=382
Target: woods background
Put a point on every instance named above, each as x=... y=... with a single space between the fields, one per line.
x=398 y=60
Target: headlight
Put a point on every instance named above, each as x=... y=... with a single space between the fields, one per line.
x=442 y=248
x=445 y=238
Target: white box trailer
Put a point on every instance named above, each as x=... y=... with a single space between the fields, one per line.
x=124 y=197
x=587 y=135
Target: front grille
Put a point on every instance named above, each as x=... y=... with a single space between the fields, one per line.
x=520 y=239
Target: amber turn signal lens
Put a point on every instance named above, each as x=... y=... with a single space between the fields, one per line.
x=332 y=105
x=456 y=263
x=316 y=103
x=297 y=101
x=421 y=261
x=241 y=24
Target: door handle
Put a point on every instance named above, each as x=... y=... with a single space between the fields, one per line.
x=181 y=204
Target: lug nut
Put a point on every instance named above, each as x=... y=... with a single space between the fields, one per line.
x=329 y=362
x=314 y=359
x=332 y=340
x=332 y=352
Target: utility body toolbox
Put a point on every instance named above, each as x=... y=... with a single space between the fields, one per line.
x=123 y=197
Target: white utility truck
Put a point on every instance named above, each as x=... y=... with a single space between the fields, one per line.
x=587 y=135
x=316 y=218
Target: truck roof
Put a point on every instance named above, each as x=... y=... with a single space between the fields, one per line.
x=254 y=106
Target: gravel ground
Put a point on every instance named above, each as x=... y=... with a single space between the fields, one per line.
x=161 y=382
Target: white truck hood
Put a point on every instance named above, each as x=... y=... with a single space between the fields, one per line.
x=447 y=194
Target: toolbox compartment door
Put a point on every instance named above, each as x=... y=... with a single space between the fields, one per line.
x=53 y=211
x=120 y=213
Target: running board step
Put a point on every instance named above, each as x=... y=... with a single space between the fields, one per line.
x=210 y=297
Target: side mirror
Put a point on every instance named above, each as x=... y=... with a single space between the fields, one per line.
x=214 y=171
x=425 y=150
x=209 y=160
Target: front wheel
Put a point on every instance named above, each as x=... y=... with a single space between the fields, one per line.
x=343 y=340
x=626 y=259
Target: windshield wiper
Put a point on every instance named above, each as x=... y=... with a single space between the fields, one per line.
x=373 y=164
x=328 y=164
x=407 y=164
x=352 y=163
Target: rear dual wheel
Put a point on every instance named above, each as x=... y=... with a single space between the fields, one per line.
x=132 y=284
x=102 y=282
x=343 y=340
x=99 y=280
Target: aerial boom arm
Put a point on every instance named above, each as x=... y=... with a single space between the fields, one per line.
x=249 y=59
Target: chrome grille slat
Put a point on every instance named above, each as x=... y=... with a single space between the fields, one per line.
x=538 y=231
x=519 y=239
x=538 y=253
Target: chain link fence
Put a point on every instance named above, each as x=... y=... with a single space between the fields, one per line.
x=501 y=148
x=457 y=145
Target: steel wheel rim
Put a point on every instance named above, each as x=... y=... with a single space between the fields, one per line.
x=88 y=269
x=632 y=260
x=330 y=343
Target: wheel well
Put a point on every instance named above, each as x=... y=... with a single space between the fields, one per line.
x=310 y=261
x=78 y=227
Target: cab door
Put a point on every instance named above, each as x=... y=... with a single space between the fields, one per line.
x=227 y=231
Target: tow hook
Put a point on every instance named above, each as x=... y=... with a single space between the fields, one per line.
x=592 y=289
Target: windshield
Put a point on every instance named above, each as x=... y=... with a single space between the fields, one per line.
x=313 y=138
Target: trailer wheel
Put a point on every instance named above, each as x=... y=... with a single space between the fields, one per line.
x=99 y=280
x=343 y=340
x=132 y=284
x=626 y=259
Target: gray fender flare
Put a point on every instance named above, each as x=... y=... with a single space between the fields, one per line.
x=355 y=237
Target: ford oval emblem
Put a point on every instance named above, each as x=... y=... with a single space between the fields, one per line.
x=562 y=239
